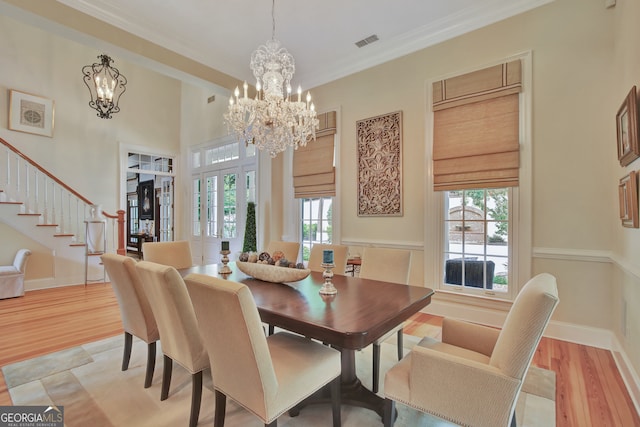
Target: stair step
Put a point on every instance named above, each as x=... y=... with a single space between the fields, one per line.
x=46 y=225
x=11 y=203
x=64 y=235
x=77 y=244
x=29 y=214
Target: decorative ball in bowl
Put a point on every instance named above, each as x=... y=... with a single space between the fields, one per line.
x=272 y=273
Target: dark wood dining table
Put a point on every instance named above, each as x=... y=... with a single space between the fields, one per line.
x=361 y=312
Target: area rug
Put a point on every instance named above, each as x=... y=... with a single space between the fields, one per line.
x=88 y=382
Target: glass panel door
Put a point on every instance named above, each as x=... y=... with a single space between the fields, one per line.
x=220 y=214
x=166 y=210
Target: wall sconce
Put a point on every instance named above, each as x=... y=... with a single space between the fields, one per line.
x=106 y=86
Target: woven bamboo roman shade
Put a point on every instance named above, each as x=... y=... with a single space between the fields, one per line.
x=476 y=129
x=313 y=168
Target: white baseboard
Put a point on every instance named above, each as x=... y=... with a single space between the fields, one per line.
x=629 y=375
x=52 y=282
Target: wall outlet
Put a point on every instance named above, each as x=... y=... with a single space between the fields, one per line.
x=609 y=3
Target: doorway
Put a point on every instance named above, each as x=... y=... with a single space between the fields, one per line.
x=150 y=199
x=223 y=182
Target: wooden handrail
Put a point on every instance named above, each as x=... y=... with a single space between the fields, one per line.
x=119 y=215
x=47 y=173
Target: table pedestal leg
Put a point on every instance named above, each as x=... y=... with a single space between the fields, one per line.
x=351 y=389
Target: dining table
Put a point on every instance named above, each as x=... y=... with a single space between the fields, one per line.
x=361 y=311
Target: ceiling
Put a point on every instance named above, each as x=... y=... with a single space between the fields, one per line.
x=321 y=35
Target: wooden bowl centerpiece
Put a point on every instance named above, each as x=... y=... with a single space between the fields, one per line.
x=272 y=273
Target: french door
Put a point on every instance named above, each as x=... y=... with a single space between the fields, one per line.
x=220 y=214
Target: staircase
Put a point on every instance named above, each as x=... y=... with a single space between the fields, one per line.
x=40 y=206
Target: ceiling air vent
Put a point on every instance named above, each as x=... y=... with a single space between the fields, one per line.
x=368 y=40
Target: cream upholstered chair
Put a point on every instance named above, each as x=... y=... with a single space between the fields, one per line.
x=176 y=254
x=135 y=311
x=12 y=276
x=289 y=249
x=387 y=265
x=265 y=375
x=179 y=334
x=340 y=254
x=484 y=364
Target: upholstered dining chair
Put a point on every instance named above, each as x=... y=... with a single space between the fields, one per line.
x=388 y=265
x=176 y=254
x=179 y=333
x=474 y=375
x=289 y=249
x=340 y=254
x=265 y=375
x=135 y=311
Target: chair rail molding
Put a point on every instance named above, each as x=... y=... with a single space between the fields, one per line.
x=572 y=254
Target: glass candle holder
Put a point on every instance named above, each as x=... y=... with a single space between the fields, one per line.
x=225 y=260
x=328 y=288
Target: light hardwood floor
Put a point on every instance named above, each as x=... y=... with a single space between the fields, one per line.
x=589 y=389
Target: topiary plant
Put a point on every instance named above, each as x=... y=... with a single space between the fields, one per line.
x=249 y=244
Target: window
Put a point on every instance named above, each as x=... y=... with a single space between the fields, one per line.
x=316 y=223
x=477 y=226
x=482 y=175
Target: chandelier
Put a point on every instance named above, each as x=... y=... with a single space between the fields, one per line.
x=274 y=119
x=105 y=84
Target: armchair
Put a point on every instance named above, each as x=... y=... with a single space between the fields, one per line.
x=12 y=276
x=477 y=360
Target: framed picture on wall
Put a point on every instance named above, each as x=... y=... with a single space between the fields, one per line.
x=30 y=113
x=628 y=194
x=627 y=129
x=145 y=200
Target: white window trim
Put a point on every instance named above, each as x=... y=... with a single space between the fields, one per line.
x=521 y=238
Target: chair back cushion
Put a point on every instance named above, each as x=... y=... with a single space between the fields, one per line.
x=340 y=254
x=241 y=365
x=289 y=249
x=20 y=260
x=135 y=311
x=174 y=315
x=524 y=325
x=176 y=254
x=388 y=265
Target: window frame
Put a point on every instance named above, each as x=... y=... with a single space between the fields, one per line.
x=520 y=202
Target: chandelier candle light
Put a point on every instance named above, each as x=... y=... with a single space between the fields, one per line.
x=272 y=120
x=105 y=84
